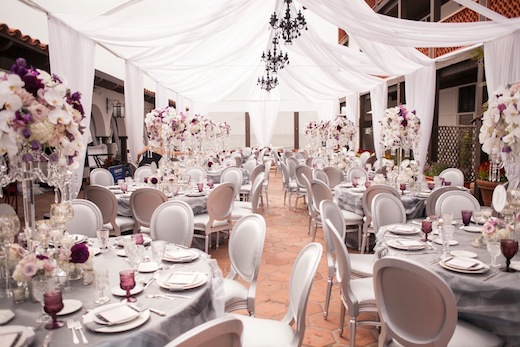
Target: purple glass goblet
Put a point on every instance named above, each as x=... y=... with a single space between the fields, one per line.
x=509 y=248
x=355 y=182
x=200 y=186
x=127 y=283
x=426 y=227
x=368 y=184
x=138 y=238
x=211 y=183
x=402 y=187
x=466 y=216
x=53 y=303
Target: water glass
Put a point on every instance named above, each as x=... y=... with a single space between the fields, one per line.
x=446 y=235
x=101 y=283
x=493 y=248
x=102 y=236
x=466 y=216
x=486 y=212
x=158 y=247
x=477 y=217
x=53 y=303
x=447 y=218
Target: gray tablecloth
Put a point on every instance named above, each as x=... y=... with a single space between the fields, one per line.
x=197 y=203
x=493 y=304
x=181 y=314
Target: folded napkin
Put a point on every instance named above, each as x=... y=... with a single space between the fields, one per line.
x=118 y=314
x=461 y=263
x=181 y=278
x=404 y=228
x=180 y=254
x=6 y=316
x=410 y=243
x=10 y=339
x=515 y=265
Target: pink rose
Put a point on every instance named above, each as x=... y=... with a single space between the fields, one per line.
x=38 y=111
x=27 y=98
x=30 y=269
x=48 y=266
x=488 y=228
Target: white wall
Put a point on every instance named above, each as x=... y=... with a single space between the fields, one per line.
x=448 y=104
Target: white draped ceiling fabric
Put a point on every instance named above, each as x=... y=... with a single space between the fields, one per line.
x=210 y=54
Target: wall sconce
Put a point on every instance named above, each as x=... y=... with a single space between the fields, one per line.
x=117 y=108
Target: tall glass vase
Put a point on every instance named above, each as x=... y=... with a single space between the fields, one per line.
x=28 y=204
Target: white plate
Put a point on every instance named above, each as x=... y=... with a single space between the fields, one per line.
x=404 y=244
x=180 y=255
x=465 y=254
x=197 y=280
x=149 y=266
x=452 y=242
x=195 y=194
x=6 y=316
x=121 y=252
x=119 y=314
x=113 y=187
x=422 y=195
x=345 y=185
x=358 y=190
x=403 y=229
x=117 y=291
x=25 y=339
x=480 y=270
x=89 y=317
x=499 y=199
x=472 y=228
x=119 y=240
x=70 y=306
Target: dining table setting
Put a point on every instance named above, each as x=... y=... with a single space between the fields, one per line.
x=483 y=272
x=136 y=292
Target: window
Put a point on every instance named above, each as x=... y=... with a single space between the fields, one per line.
x=467 y=99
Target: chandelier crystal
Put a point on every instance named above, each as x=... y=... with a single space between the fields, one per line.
x=290 y=23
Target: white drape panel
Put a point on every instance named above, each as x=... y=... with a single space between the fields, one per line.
x=134 y=103
x=327 y=110
x=76 y=66
x=420 y=96
x=263 y=114
x=352 y=112
x=161 y=96
x=502 y=59
x=378 y=101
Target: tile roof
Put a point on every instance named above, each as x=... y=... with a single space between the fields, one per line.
x=17 y=34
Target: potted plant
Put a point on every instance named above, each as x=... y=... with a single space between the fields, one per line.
x=434 y=169
x=485 y=185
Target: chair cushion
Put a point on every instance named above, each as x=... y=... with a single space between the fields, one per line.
x=234 y=292
x=362 y=265
x=363 y=290
x=201 y=220
x=265 y=332
x=125 y=223
x=351 y=216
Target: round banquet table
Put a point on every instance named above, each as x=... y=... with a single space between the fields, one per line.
x=493 y=304
x=182 y=314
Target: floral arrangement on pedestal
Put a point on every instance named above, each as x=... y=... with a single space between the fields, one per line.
x=29 y=264
x=400 y=129
x=342 y=131
x=496 y=229
x=166 y=127
x=40 y=118
x=225 y=129
x=500 y=130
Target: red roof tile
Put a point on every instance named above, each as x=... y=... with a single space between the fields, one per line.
x=4 y=28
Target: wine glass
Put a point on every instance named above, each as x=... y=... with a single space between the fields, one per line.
x=466 y=216
x=493 y=248
x=426 y=226
x=447 y=217
x=402 y=187
x=127 y=283
x=446 y=234
x=61 y=213
x=355 y=182
x=42 y=284
x=53 y=303
x=101 y=283
x=509 y=247
x=124 y=187
x=135 y=255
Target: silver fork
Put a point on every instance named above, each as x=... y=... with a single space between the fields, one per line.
x=70 y=325
x=78 y=327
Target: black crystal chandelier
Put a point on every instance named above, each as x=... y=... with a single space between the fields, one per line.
x=275 y=59
x=268 y=82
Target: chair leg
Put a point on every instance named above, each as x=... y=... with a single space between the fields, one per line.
x=327 y=297
x=218 y=239
x=206 y=244
x=342 y=313
x=353 y=325
x=266 y=198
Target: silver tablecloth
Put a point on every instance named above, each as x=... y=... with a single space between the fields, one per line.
x=182 y=314
x=197 y=203
x=493 y=304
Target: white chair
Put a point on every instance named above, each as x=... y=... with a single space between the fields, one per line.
x=172 y=221
x=218 y=218
x=366 y=202
x=246 y=189
x=334 y=174
x=143 y=203
x=7 y=209
x=289 y=187
x=220 y=332
x=319 y=174
x=106 y=201
x=453 y=175
x=273 y=333
x=356 y=172
x=265 y=187
x=234 y=176
x=142 y=172
x=249 y=165
x=196 y=173
x=292 y=163
x=244 y=208
x=320 y=163
x=101 y=176
x=361 y=264
x=302 y=192
x=455 y=201
x=364 y=157
x=387 y=209
x=431 y=201
x=357 y=296
x=231 y=161
x=245 y=247
x=417 y=308
x=87 y=218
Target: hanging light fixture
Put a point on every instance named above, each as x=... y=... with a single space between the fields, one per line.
x=268 y=83
x=275 y=60
x=288 y=24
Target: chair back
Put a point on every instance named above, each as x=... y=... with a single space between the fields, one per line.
x=249 y=165
x=302 y=170
x=267 y=170
x=320 y=163
x=456 y=201
x=142 y=172
x=302 y=275
x=246 y=245
x=370 y=193
x=400 y=287
x=172 y=221
x=106 y=201
x=387 y=209
x=220 y=202
x=319 y=174
x=320 y=192
x=330 y=211
x=221 y=332
x=434 y=196
x=232 y=161
x=87 y=218
x=256 y=192
x=102 y=177
x=334 y=174
x=364 y=157
x=232 y=175
x=143 y=203
x=6 y=209
x=371 y=160
x=308 y=161
x=453 y=175
x=292 y=163
x=196 y=173
x=356 y=172
x=310 y=198
x=286 y=180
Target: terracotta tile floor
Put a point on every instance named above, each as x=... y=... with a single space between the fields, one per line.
x=287 y=234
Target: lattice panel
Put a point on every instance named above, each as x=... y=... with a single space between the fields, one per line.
x=507 y=8
x=456 y=147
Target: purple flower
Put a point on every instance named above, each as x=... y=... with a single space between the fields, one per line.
x=22 y=116
x=41 y=257
x=79 y=253
x=506 y=149
x=27 y=157
x=35 y=145
x=145 y=180
x=501 y=107
x=75 y=100
x=19 y=67
x=154 y=180
x=210 y=164
x=54 y=157
x=56 y=78
x=32 y=84
x=26 y=133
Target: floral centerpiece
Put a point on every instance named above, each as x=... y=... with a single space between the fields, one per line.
x=74 y=258
x=496 y=229
x=225 y=129
x=40 y=118
x=29 y=264
x=400 y=129
x=342 y=131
